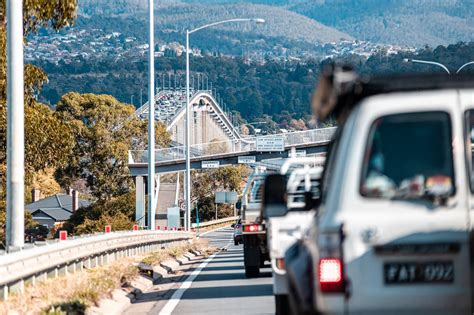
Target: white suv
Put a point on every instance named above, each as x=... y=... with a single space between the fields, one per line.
x=284 y=230
x=392 y=234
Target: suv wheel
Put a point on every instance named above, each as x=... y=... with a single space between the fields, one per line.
x=252 y=271
x=282 y=304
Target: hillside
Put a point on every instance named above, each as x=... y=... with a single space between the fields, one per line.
x=174 y=18
x=403 y=22
x=413 y=22
x=279 y=89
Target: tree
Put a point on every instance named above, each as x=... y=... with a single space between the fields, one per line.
x=119 y=212
x=47 y=141
x=104 y=130
x=207 y=183
x=36 y=14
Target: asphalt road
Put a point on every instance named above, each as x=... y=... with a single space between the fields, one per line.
x=220 y=287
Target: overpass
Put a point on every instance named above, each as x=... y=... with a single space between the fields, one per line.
x=222 y=153
x=214 y=142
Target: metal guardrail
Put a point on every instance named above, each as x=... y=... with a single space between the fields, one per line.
x=291 y=139
x=214 y=222
x=51 y=260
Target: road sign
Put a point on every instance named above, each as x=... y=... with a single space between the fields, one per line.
x=298 y=153
x=247 y=159
x=220 y=197
x=270 y=144
x=229 y=197
x=173 y=217
x=210 y=164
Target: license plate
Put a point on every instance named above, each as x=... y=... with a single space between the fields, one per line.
x=427 y=272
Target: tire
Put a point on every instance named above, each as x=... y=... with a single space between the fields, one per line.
x=282 y=304
x=252 y=271
x=294 y=304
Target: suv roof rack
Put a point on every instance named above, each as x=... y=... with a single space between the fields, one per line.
x=340 y=88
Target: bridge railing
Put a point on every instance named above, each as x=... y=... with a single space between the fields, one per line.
x=291 y=139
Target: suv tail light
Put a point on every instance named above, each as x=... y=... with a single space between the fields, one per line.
x=253 y=228
x=331 y=263
x=331 y=276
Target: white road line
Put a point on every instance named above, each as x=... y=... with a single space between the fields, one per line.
x=178 y=294
x=221 y=228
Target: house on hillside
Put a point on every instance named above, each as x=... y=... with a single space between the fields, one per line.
x=54 y=210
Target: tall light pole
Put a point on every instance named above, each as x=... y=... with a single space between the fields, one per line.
x=187 y=185
x=15 y=131
x=426 y=62
x=151 y=118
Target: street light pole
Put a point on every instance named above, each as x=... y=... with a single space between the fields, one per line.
x=151 y=118
x=187 y=186
x=15 y=238
x=426 y=62
x=187 y=220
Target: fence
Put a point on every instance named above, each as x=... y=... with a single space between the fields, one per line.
x=291 y=139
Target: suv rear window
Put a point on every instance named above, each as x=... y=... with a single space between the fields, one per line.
x=409 y=156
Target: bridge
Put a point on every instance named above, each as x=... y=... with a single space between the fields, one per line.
x=215 y=142
x=170 y=160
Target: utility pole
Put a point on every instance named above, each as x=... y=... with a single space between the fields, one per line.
x=151 y=118
x=187 y=183
x=15 y=130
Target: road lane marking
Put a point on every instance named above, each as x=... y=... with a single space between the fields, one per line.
x=178 y=294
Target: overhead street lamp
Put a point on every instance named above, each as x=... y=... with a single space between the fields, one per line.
x=187 y=221
x=464 y=65
x=408 y=60
x=426 y=62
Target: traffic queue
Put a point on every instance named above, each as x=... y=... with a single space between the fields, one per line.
x=381 y=224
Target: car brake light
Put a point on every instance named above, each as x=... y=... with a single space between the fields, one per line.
x=252 y=228
x=331 y=276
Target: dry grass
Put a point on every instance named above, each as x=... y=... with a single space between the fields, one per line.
x=200 y=245
x=74 y=293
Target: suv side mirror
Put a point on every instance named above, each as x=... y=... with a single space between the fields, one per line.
x=274 y=196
